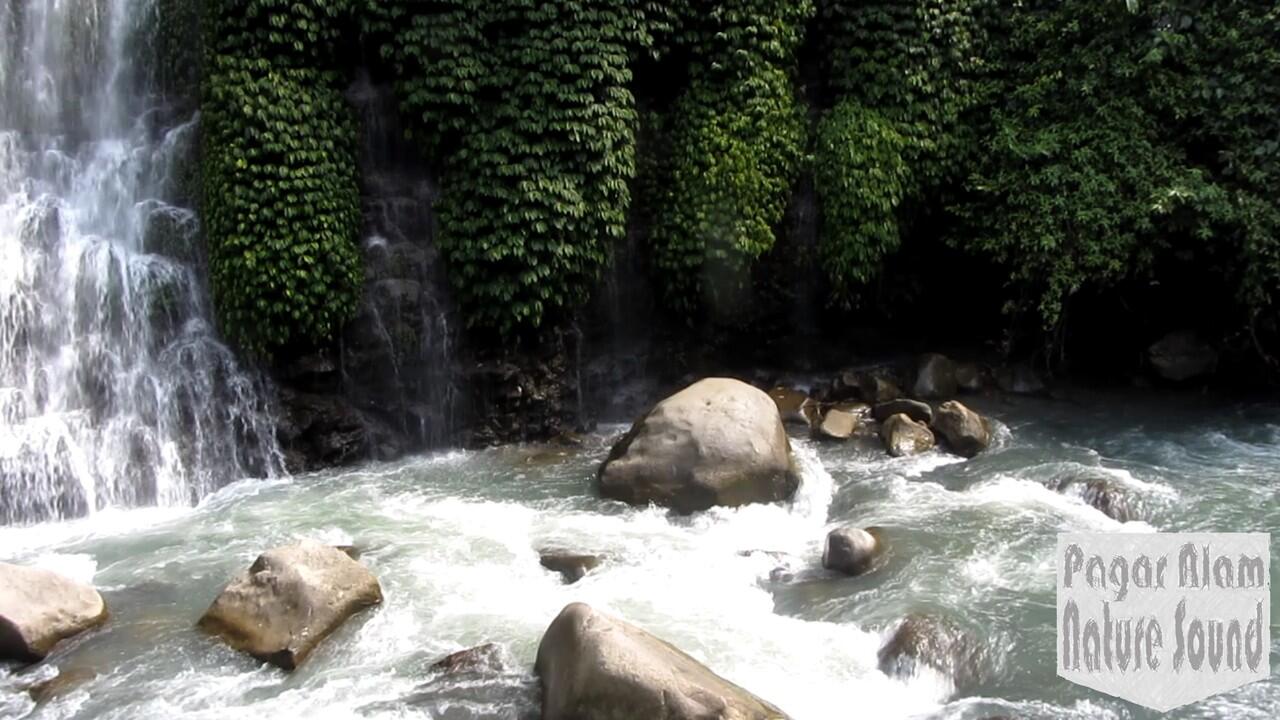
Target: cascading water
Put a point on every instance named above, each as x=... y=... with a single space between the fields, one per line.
x=114 y=388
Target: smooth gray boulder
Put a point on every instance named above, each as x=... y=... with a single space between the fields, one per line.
x=289 y=600
x=914 y=409
x=935 y=378
x=597 y=667
x=1181 y=356
x=717 y=442
x=903 y=436
x=851 y=551
x=966 y=432
x=39 y=608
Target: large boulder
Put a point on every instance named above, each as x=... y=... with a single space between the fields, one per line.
x=596 y=667
x=717 y=442
x=914 y=409
x=935 y=377
x=289 y=600
x=851 y=551
x=938 y=644
x=38 y=608
x=903 y=436
x=966 y=432
x=1181 y=356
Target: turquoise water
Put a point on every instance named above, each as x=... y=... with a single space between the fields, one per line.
x=455 y=538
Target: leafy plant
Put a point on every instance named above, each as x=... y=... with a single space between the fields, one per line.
x=737 y=138
x=281 y=202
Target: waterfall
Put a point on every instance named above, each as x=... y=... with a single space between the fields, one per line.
x=114 y=387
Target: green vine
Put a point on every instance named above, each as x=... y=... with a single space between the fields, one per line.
x=861 y=176
x=528 y=108
x=737 y=139
x=281 y=199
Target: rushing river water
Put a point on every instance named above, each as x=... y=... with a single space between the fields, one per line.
x=455 y=540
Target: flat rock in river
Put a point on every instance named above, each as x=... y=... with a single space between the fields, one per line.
x=289 y=600
x=596 y=667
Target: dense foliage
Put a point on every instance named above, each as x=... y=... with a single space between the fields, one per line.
x=281 y=201
x=1131 y=145
x=1076 y=147
x=737 y=137
x=528 y=109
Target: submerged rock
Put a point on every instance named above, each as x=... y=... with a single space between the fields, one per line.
x=482 y=658
x=933 y=642
x=966 y=432
x=596 y=667
x=914 y=409
x=717 y=442
x=903 y=436
x=66 y=681
x=1181 y=356
x=572 y=567
x=935 y=377
x=289 y=600
x=851 y=551
x=1101 y=494
x=39 y=608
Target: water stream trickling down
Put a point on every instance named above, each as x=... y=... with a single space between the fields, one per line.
x=114 y=387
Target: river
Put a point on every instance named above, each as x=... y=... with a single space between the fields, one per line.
x=455 y=538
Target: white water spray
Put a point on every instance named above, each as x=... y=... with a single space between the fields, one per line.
x=114 y=388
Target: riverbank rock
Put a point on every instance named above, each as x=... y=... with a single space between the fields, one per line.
x=794 y=406
x=1019 y=380
x=717 y=442
x=903 y=436
x=876 y=387
x=39 y=608
x=482 y=658
x=851 y=551
x=970 y=378
x=966 y=432
x=596 y=667
x=1181 y=356
x=926 y=640
x=571 y=566
x=914 y=409
x=289 y=600
x=935 y=378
